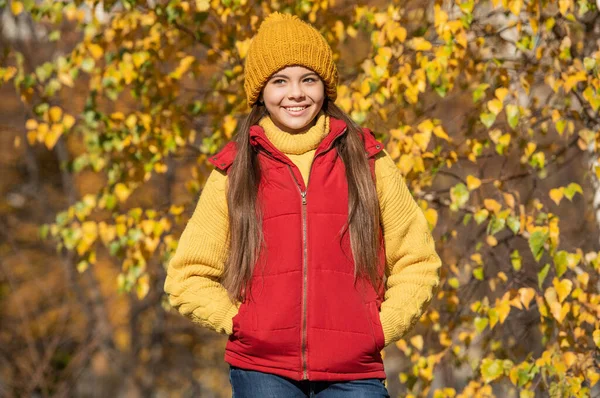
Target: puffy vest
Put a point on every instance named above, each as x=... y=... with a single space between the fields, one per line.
x=305 y=317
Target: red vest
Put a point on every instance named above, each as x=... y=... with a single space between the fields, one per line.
x=305 y=317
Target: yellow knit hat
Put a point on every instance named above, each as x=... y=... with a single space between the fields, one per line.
x=285 y=40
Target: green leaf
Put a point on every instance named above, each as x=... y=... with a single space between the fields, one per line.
x=560 y=126
x=467 y=218
x=487 y=118
x=512 y=114
x=491 y=369
x=572 y=189
x=589 y=63
x=542 y=275
x=479 y=92
x=43 y=231
x=480 y=323
x=478 y=273
x=560 y=262
x=496 y=225
x=515 y=259
x=513 y=223
x=536 y=243
x=481 y=216
x=459 y=194
x=493 y=315
x=87 y=65
x=54 y=36
x=454 y=283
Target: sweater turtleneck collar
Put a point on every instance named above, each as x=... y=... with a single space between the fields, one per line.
x=299 y=143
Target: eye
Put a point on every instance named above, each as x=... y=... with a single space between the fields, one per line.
x=276 y=81
x=310 y=79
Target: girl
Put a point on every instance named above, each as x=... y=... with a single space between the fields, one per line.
x=305 y=247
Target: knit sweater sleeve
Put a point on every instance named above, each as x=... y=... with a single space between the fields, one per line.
x=412 y=264
x=193 y=273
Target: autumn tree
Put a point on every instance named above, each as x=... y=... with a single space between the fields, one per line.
x=490 y=109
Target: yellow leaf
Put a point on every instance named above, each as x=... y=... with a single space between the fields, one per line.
x=422 y=140
x=563 y=288
x=473 y=182
x=564 y=6
x=350 y=31
x=16 y=7
x=31 y=137
x=558 y=312
x=143 y=286
x=492 y=205
x=131 y=121
x=439 y=132
x=530 y=149
x=431 y=216
x=515 y=7
x=556 y=194
x=406 y=164
x=399 y=33
x=491 y=240
x=66 y=79
x=107 y=232
x=242 y=47
x=95 y=50
x=477 y=258
x=420 y=44
x=55 y=114
x=89 y=231
x=593 y=377
x=122 y=192
x=503 y=309
x=495 y=106
x=501 y=93
x=417 y=342
x=52 y=136
x=229 y=124
x=426 y=126
x=526 y=294
x=570 y=358
x=202 y=5
x=68 y=121
x=509 y=199
x=31 y=124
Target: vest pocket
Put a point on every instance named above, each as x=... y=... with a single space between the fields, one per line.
x=377 y=329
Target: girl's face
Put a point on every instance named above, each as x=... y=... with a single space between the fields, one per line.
x=293 y=97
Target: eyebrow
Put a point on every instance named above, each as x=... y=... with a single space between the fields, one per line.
x=287 y=77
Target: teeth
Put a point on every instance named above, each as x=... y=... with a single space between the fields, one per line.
x=296 y=109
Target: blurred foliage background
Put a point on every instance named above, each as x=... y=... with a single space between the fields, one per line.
x=109 y=110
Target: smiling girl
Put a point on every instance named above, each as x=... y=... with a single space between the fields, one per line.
x=306 y=246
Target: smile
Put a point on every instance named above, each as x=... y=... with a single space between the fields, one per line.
x=295 y=110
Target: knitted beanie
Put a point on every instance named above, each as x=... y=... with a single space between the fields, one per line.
x=285 y=40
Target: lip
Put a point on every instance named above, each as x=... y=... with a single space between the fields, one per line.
x=296 y=113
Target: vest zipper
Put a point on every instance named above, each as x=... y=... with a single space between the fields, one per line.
x=304 y=350
x=304 y=272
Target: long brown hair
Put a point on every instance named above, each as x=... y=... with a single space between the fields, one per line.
x=245 y=220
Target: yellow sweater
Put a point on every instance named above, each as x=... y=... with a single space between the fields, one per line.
x=412 y=264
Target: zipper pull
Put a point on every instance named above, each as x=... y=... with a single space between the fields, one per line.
x=303 y=197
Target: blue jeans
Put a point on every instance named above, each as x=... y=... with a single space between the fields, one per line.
x=253 y=384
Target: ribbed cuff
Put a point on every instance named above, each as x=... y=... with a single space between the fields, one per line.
x=392 y=324
x=228 y=319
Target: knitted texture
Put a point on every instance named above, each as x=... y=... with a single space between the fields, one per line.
x=285 y=40
x=300 y=147
x=412 y=264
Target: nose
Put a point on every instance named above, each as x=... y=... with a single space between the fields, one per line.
x=296 y=91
